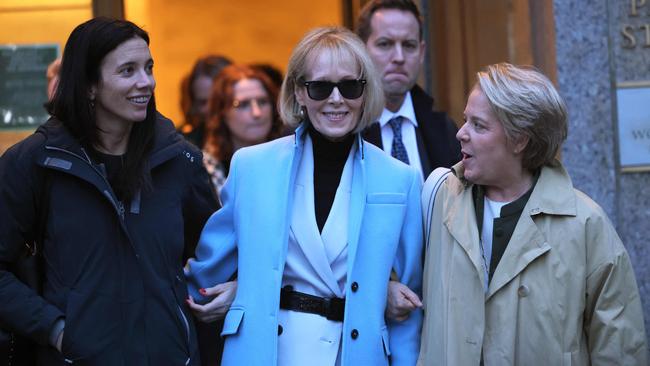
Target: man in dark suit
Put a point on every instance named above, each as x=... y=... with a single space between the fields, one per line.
x=409 y=129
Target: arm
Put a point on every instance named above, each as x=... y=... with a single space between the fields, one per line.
x=405 y=335
x=613 y=313
x=200 y=201
x=215 y=259
x=401 y=301
x=223 y=295
x=22 y=310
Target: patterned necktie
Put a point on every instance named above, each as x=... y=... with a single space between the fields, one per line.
x=398 y=150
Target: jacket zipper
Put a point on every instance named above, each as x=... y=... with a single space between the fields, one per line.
x=119 y=206
x=186 y=326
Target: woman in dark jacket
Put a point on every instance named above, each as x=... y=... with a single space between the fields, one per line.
x=122 y=198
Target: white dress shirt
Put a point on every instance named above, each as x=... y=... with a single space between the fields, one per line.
x=408 y=132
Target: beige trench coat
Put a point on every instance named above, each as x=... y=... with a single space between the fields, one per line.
x=564 y=292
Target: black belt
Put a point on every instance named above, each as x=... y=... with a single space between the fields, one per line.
x=331 y=308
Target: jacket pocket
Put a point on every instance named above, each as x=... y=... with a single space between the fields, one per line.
x=385 y=340
x=91 y=325
x=386 y=198
x=232 y=321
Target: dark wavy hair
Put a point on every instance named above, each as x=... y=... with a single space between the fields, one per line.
x=87 y=46
x=218 y=140
x=209 y=66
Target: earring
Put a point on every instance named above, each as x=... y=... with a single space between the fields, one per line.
x=302 y=112
x=91 y=102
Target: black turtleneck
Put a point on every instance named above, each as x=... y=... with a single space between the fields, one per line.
x=329 y=160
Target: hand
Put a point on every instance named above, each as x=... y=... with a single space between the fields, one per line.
x=59 y=341
x=401 y=301
x=216 y=309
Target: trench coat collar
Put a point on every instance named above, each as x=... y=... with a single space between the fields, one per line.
x=553 y=195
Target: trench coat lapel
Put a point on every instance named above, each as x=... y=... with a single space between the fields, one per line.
x=528 y=242
x=459 y=218
x=526 y=245
x=303 y=220
x=357 y=203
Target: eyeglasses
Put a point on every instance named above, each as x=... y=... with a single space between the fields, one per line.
x=321 y=90
x=246 y=104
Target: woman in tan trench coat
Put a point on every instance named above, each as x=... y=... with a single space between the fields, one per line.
x=523 y=269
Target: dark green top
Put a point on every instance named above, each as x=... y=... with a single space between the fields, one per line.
x=503 y=226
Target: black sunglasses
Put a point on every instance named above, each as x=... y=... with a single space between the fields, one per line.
x=321 y=90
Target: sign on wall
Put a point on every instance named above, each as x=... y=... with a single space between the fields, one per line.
x=633 y=99
x=23 y=84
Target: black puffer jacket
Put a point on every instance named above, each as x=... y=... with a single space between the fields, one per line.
x=113 y=271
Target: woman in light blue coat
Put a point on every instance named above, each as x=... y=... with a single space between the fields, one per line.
x=314 y=223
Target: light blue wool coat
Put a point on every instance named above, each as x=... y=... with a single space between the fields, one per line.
x=250 y=235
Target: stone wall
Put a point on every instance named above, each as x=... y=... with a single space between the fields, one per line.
x=593 y=55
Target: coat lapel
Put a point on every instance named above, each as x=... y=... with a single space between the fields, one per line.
x=526 y=245
x=459 y=218
x=357 y=203
x=528 y=242
x=285 y=186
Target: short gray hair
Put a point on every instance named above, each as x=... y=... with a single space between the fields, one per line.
x=343 y=43
x=527 y=105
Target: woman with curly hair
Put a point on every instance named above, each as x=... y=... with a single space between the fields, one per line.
x=242 y=112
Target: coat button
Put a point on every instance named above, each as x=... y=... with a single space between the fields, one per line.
x=354 y=287
x=279 y=329
x=523 y=291
x=354 y=334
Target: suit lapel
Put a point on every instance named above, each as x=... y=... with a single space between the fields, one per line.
x=424 y=154
x=335 y=231
x=303 y=220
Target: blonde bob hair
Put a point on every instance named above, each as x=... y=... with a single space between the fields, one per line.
x=528 y=106
x=342 y=44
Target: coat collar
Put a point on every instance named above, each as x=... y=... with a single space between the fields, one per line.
x=553 y=195
x=65 y=153
x=301 y=132
x=167 y=143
